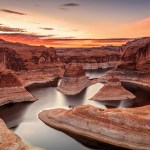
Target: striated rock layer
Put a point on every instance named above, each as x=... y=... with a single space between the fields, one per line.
x=91 y=58
x=11 y=89
x=113 y=90
x=74 y=80
x=10 y=141
x=128 y=128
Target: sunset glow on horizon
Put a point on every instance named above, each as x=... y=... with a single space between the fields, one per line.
x=50 y=22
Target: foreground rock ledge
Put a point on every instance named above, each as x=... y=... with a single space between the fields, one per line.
x=113 y=90
x=10 y=141
x=128 y=127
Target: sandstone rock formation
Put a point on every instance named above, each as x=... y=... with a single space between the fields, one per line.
x=32 y=64
x=74 y=80
x=18 y=57
x=134 y=65
x=113 y=90
x=12 y=89
x=128 y=128
x=10 y=141
x=91 y=58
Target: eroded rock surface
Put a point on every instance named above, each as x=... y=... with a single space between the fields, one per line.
x=11 y=89
x=125 y=127
x=74 y=80
x=113 y=90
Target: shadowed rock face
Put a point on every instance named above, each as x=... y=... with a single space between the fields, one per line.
x=74 y=80
x=113 y=90
x=128 y=128
x=10 y=141
x=136 y=56
x=11 y=89
x=8 y=79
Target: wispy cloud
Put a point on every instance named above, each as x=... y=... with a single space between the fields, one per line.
x=9 y=29
x=70 y=5
x=49 y=29
x=12 y=12
x=65 y=6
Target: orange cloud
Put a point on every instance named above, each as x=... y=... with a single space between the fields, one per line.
x=59 y=43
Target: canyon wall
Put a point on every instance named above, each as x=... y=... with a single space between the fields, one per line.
x=91 y=58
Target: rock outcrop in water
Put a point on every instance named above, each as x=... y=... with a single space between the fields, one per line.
x=113 y=90
x=74 y=80
x=91 y=58
x=10 y=141
x=128 y=128
x=11 y=89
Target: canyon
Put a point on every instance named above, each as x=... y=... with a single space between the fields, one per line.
x=91 y=58
x=23 y=66
x=127 y=128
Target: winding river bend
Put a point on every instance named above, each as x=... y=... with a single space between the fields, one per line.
x=23 y=117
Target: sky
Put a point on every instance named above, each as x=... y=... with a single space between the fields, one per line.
x=43 y=22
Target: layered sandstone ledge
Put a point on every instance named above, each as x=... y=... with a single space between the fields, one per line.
x=10 y=141
x=113 y=90
x=74 y=80
x=128 y=128
x=12 y=90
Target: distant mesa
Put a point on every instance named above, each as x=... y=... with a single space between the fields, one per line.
x=74 y=80
x=113 y=90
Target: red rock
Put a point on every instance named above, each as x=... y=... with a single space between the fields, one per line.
x=74 y=80
x=11 y=89
x=91 y=58
x=128 y=128
x=113 y=90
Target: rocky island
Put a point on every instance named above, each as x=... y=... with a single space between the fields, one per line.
x=74 y=80
x=118 y=92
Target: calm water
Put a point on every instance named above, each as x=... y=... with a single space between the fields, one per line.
x=23 y=116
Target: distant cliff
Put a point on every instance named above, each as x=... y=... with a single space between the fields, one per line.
x=20 y=57
x=136 y=56
x=91 y=58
